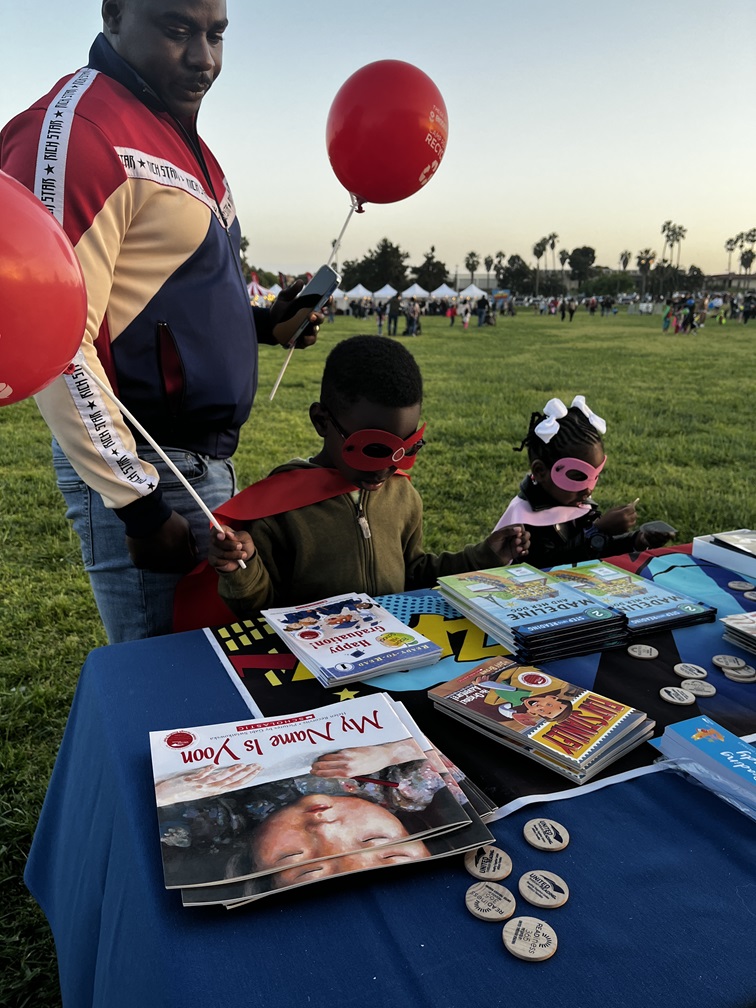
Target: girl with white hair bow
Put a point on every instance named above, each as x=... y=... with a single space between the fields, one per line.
x=554 y=503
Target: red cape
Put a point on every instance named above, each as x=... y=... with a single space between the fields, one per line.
x=197 y=602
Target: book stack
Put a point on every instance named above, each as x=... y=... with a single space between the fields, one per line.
x=537 y=616
x=248 y=809
x=735 y=551
x=719 y=760
x=350 y=637
x=741 y=630
x=647 y=606
x=567 y=728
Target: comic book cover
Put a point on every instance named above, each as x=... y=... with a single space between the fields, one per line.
x=572 y=726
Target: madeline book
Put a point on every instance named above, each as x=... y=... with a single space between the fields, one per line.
x=648 y=607
x=535 y=615
x=568 y=728
x=346 y=638
x=271 y=797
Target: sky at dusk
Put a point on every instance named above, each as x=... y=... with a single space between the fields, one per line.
x=594 y=120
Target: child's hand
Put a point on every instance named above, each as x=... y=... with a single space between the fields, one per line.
x=227 y=548
x=617 y=520
x=510 y=543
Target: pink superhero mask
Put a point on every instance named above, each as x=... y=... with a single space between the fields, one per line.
x=369 y=450
x=575 y=474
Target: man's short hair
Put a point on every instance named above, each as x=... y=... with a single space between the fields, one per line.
x=375 y=368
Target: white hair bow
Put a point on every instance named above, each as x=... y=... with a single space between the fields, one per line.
x=593 y=418
x=546 y=429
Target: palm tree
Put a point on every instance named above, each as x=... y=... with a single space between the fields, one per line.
x=538 y=250
x=645 y=260
x=680 y=233
x=488 y=263
x=666 y=230
x=624 y=258
x=499 y=266
x=552 y=239
x=472 y=261
x=746 y=260
x=730 y=245
x=564 y=256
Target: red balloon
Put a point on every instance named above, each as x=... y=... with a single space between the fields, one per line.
x=43 y=300
x=386 y=131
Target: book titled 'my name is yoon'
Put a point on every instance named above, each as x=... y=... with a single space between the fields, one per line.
x=567 y=728
x=345 y=638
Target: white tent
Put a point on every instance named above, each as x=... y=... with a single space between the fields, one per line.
x=444 y=291
x=415 y=291
x=387 y=291
x=471 y=291
x=359 y=292
x=275 y=289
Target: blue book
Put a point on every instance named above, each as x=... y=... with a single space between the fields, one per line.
x=647 y=606
x=527 y=610
x=717 y=758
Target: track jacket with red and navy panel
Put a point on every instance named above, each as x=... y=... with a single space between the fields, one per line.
x=169 y=324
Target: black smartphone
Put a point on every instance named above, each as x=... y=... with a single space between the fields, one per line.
x=658 y=526
x=313 y=296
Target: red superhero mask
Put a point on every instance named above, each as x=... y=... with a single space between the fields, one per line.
x=370 y=450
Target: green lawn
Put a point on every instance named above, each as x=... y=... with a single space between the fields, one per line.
x=679 y=437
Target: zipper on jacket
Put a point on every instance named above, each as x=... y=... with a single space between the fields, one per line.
x=361 y=518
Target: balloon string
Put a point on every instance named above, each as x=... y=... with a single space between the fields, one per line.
x=331 y=259
x=337 y=243
x=182 y=479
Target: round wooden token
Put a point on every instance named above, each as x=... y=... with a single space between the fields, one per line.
x=743 y=586
x=488 y=862
x=676 y=695
x=744 y=675
x=490 y=901
x=750 y=595
x=698 y=687
x=543 y=889
x=642 y=651
x=728 y=661
x=688 y=671
x=529 y=938
x=546 y=834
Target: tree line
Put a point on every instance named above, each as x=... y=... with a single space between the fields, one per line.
x=388 y=263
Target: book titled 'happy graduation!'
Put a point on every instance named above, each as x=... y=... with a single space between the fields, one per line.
x=345 y=638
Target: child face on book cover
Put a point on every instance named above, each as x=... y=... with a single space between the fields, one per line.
x=400 y=422
x=325 y=826
x=592 y=454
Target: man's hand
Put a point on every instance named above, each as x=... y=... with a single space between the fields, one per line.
x=510 y=544
x=169 y=550
x=283 y=331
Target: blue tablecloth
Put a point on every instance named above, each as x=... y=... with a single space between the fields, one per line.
x=661 y=873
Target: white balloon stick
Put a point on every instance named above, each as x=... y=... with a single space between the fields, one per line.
x=130 y=416
x=331 y=258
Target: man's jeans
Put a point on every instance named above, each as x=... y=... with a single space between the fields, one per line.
x=136 y=603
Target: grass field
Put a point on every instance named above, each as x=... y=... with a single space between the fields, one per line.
x=679 y=437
